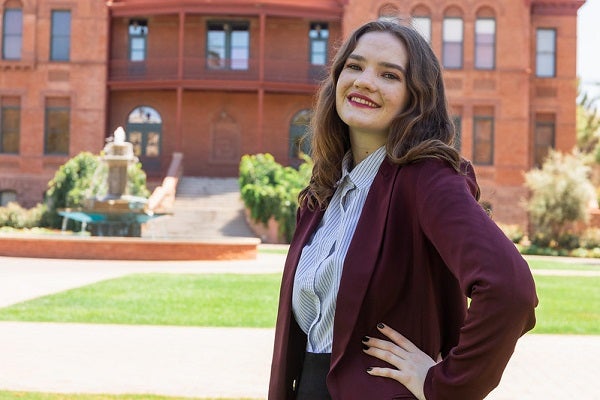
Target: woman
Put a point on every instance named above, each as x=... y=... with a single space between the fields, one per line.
x=390 y=242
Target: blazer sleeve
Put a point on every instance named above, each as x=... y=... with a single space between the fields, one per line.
x=490 y=271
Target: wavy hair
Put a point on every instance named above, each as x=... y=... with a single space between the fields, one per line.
x=423 y=129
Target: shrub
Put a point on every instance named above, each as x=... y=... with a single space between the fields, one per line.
x=514 y=232
x=561 y=193
x=15 y=216
x=270 y=190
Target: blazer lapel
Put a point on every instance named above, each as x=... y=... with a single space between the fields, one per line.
x=361 y=258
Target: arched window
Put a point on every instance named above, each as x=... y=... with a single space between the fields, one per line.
x=388 y=11
x=421 y=21
x=299 y=141
x=452 y=37
x=12 y=30
x=7 y=196
x=485 y=39
x=144 y=131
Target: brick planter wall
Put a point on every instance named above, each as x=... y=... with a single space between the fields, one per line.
x=125 y=248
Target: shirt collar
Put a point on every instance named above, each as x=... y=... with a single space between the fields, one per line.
x=363 y=174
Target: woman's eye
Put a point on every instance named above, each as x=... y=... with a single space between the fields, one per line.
x=389 y=75
x=353 y=66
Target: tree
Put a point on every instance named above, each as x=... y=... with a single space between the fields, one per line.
x=561 y=193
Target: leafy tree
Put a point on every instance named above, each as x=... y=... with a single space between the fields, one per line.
x=270 y=190
x=588 y=126
x=561 y=193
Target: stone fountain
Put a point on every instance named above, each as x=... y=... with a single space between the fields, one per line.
x=115 y=213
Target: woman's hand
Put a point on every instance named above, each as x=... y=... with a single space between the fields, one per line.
x=411 y=363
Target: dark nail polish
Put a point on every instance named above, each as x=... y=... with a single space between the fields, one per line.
x=380 y=325
x=369 y=369
x=365 y=339
x=365 y=347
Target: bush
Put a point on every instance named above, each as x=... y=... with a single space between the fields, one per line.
x=561 y=193
x=270 y=190
x=514 y=232
x=15 y=216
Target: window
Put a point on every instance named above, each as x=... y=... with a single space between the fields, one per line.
x=7 y=196
x=388 y=11
x=299 y=142
x=144 y=130
x=485 y=43
x=452 y=49
x=60 y=38
x=483 y=136
x=228 y=45
x=423 y=26
x=10 y=125
x=318 y=35
x=543 y=137
x=138 y=31
x=457 y=121
x=12 y=35
x=57 y=126
x=545 y=60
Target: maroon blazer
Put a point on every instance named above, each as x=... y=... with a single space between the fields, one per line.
x=421 y=247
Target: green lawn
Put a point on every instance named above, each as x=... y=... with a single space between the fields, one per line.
x=223 y=300
x=568 y=304
x=556 y=263
x=5 y=395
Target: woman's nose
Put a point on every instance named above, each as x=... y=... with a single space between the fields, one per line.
x=365 y=80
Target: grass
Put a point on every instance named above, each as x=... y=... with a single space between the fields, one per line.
x=557 y=264
x=221 y=300
x=568 y=305
x=5 y=395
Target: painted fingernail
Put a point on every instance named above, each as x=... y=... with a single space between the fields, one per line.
x=365 y=339
x=380 y=325
x=369 y=369
x=365 y=347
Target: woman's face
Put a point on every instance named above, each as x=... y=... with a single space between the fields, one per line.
x=371 y=89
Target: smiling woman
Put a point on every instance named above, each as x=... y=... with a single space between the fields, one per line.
x=390 y=241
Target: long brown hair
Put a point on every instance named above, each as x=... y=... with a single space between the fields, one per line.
x=422 y=130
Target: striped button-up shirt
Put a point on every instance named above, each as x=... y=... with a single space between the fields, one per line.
x=319 y=270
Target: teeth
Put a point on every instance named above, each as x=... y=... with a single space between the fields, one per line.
x=363 y=101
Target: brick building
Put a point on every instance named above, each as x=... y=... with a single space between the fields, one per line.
x=216 y=80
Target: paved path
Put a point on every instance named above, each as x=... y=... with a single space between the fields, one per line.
x=209 y=362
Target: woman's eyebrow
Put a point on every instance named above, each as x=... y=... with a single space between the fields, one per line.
x=383 y=63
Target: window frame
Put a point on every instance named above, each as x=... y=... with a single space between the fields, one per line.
x=55 y=38
x=476 y=142
x=312 y=41
x=47 y=114
x=4 y=131
x=478 y=45
x=545 y=121
x=418 y=26
x=6 y=36
x=539 y=53
x=228 y=61
x=143 y=35
x=445 y=42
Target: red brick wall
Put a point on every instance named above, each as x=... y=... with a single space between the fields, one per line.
x=34 y=78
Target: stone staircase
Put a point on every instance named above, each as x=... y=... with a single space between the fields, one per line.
x=204 y=208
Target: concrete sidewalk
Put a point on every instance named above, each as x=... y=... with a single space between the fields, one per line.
x=211 y=362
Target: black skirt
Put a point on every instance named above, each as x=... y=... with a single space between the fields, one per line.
x=312 y=384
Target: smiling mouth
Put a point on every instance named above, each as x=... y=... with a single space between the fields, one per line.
x=363 y=101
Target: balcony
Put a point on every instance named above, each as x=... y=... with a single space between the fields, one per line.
x=196 y=72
